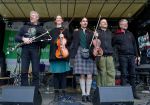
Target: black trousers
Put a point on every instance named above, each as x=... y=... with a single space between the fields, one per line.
x=30 y=55
x=127 y=68
x=59 y=81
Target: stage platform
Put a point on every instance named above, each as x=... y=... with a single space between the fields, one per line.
x=48 y=96
x=75 y=94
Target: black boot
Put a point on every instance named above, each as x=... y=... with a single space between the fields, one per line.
x=56 y=96
x=84 y=98
x=63 y=93
x=135 y=93
x=89 y=98
x=136 y=96
x=132 y=82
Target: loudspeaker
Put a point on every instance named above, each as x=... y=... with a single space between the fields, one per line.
x=113 y=96
x=24 y=95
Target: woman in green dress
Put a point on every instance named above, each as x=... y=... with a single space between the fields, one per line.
x=59 y=64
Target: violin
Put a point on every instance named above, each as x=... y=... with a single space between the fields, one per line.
x=62 y=51
x=97 y=51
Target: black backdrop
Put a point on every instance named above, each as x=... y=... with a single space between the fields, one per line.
x=2 y=55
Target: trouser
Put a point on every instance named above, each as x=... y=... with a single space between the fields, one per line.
x=59 y=81
x=28 y=55
x=106 y=71
x=127 y=68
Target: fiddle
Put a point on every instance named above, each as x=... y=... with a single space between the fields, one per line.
x=97 y=51
x=62 y=51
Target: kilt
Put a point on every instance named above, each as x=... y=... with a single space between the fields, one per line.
x=84 y=66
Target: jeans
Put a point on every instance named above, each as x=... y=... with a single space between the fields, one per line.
x=127 y=68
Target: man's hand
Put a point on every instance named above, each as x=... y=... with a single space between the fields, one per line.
x=27 y=40
x=95 y=34
x=95 y=53
x=137 y=60
x=61 y=35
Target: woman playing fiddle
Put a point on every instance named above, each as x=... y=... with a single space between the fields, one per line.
x=59 y=56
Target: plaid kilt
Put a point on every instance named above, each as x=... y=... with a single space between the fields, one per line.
x=84 y=66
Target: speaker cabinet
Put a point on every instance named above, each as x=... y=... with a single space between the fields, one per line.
x=113 y=96
x=13 y=95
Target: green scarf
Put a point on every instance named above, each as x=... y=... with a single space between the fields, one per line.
x=83 y=42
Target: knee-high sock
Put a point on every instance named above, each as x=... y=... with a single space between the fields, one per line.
x=82 y=85
x=88 y=86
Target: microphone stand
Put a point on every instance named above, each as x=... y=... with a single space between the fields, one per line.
x=17 y=71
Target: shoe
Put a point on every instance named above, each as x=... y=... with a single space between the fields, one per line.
x=56 y=98
x=63 y=93
x=137 y=97
x=88 y=98
x=84 y=98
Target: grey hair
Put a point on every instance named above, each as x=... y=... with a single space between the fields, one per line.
x=123 y=20
x=34 y=12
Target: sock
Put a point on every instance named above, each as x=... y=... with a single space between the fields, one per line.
x=82 y=85
x=88 y=86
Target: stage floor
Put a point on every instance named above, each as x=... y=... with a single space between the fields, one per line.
x=48 y=96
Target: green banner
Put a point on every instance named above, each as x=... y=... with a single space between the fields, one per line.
x=9 y=42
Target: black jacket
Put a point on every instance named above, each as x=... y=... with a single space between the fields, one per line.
x=53 y=43
x=30 y=31
x=125 y=43
x=106 y=41
x=76 y=42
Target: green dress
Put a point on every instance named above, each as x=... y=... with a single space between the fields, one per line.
x=59 y=66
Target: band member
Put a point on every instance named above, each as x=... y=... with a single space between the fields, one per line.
x=106 y=72
x=31 y=50
x=127 y=52
x=144 y=47
x=59 y=56
x=83 y=65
